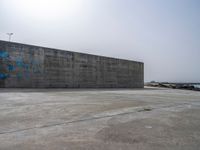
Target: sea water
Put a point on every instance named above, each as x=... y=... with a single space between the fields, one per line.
x=197 y=85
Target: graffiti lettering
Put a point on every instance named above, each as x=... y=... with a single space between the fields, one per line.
x=3 y=76
x=3 y=54
x=11 y=68
x=19 y=62
x=16 y=66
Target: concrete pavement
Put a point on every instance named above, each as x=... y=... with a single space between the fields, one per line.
x=99 y=119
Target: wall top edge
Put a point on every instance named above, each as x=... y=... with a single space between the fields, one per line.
x=22 y=44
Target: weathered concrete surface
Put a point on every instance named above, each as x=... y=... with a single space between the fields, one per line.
x=38 y=67
x=145 y=119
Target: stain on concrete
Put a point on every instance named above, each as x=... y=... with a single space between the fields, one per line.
x=145 y=109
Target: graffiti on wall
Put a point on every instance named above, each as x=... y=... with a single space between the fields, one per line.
x=15 y=66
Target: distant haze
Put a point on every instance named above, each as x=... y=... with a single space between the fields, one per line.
x=164 y=34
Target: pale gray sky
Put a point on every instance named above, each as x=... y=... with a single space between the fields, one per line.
x=164 y=34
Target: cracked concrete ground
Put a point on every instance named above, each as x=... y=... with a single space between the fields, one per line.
x=99 y=119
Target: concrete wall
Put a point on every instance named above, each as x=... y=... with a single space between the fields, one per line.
x=38 y=67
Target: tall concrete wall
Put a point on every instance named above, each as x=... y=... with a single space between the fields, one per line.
x=38 y=67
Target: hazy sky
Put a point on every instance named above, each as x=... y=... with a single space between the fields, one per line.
x=164 y=34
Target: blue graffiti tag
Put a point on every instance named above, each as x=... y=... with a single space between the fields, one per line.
x=26 y=67
x=3 y=76
x=18 y=67
x=19 y=62
x=10 y=68
x=3 y=54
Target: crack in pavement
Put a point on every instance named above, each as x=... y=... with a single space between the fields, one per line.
x=98 y=117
